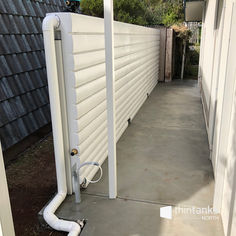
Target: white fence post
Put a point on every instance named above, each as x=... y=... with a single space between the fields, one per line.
x=110 y=87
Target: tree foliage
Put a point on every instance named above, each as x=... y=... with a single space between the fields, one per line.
x=129 y=11
x=141 y=12
x=166 y=12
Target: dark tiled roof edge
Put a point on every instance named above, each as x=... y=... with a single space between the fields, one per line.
x=24 y=102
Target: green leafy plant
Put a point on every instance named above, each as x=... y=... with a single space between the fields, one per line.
x=129 y=11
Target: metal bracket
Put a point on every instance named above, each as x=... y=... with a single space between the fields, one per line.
x=76 y=181
x=58 y=35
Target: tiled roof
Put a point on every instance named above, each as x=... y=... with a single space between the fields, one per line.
x=24 y=103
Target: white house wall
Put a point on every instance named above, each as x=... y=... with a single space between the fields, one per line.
x=136 y=74
x=228 y=153
x=218 y=36
x=219 y=85
x=207 y=56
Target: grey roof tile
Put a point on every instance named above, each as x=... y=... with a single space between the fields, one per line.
x=37 y=40
x=44 y=9
x=40 y=117
x=4 y=83
x=24 y=100
x=7 y=108
x=22 y=25
x=11 y=86
x=11 y=83
x=26 y=63
x=29 y=8
x=49 y=8
x=8 y=135
x=22 y=84
x=30 y=24
x=10 y=7
x=41 y=96
x=39 y=9
x=10 y=44
x=3 y=94
x=23 y=43
x=3 y=45
x=11 y=22
x=2 y=7
x=60 y=3
x=20 y=7
x=19 y=107
x=41 y=57
x=37 y=98
x=36 y=79
x=46 y=112
x=22 y=127
x=3 y=117
x=14 y=64
x=29 y=124
x=28 y=102
x=3 y=28
x=4 y=68
x=26 y=82
x=13 y=46
x=38 y=24
x=44 y=74
x=34 y=60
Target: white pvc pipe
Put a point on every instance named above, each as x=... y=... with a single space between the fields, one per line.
x=50 y=23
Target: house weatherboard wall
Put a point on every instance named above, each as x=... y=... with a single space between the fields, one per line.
x=217 y=77
x=24 y=104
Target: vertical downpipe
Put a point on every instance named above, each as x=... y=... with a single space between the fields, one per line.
x=50 y=23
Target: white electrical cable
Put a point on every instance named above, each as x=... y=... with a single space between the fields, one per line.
x=94 y=164
x=97 y=180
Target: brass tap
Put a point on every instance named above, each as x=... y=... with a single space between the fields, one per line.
x=74 y=152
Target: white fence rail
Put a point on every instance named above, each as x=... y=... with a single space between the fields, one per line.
x=82 y=53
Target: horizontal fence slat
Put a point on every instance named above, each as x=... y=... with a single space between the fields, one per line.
x=136 y=51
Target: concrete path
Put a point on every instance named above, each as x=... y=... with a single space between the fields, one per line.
x=162 y=161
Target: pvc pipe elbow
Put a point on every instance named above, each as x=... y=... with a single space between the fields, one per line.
x=51 y=22
x=71 y=227
x=76 y=229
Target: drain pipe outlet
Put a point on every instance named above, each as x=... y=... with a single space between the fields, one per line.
x=50 y=23
x=73 y=228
